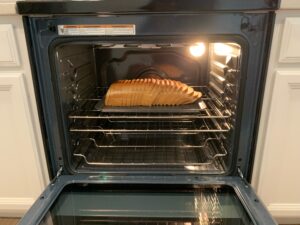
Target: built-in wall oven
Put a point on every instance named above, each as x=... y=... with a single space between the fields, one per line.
x=161 y=163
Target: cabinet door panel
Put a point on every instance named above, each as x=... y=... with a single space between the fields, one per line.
x=8 y=55
x=290 y=4
x=290 y=48
x=279 y=182
x=20 y=183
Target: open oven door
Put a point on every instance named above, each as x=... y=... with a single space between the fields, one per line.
x=83 y=199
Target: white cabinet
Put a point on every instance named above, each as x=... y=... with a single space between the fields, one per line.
x=23 y=170
x=277 y=164
x=279 y=182
x=290 y=48
x=19 y=179
x=290 y=4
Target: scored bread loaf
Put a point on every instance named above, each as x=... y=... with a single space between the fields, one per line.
x=150 y=92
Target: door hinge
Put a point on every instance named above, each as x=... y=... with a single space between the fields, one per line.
x=58 y=174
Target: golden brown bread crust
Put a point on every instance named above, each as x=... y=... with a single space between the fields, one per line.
x=149 y=92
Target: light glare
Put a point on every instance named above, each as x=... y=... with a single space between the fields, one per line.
x=191 y=167
x=197 y=50
x=222 y=49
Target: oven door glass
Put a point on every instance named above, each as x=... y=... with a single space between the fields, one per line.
x=203 y=205
x=77 y=203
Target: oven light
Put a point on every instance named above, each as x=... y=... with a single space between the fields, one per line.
x=222 y=49
x=197 y=50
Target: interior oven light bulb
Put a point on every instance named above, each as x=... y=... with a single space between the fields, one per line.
x=222 y=49
x=197 y=50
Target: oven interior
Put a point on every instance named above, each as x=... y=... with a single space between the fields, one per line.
x=197 y=137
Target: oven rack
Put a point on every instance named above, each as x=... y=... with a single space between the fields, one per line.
x=150 y=140
x=206 y=107
x=185 y=126
x=136 y=155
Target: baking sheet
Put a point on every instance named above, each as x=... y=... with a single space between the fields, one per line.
x=188 y=108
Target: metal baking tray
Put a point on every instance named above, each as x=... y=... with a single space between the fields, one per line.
x=188 y=108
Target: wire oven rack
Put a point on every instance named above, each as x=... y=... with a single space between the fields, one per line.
x=153 y=126
x=206 y=107
x=207 y=115
x=150 y=155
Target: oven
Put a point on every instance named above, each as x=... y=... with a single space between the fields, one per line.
x=166 y=162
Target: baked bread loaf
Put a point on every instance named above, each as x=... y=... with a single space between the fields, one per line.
x=150 y=92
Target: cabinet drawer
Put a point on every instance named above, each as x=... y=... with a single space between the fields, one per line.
x=9 y=54
x=290 y=47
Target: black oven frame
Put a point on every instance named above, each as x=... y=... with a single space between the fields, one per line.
x=254 y=28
